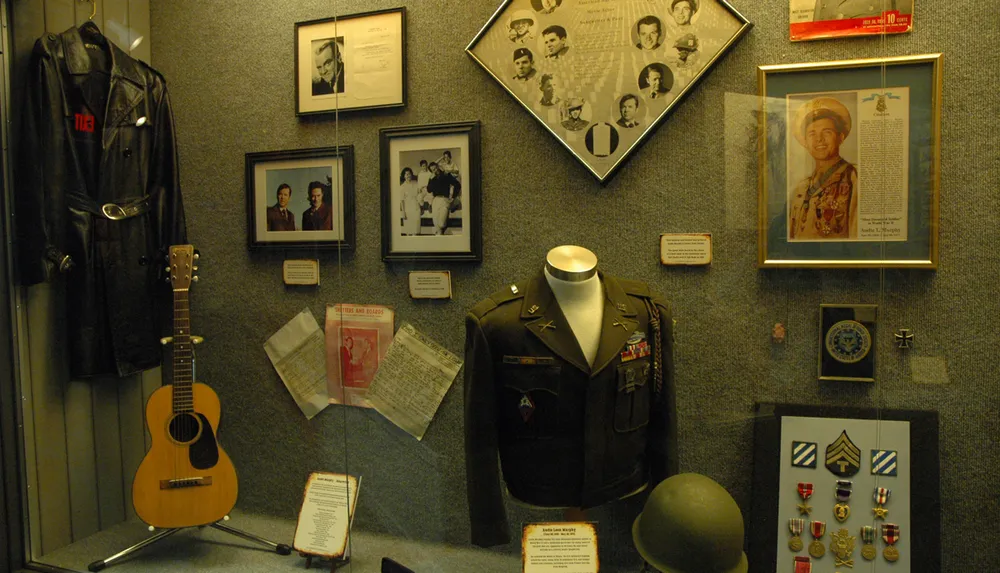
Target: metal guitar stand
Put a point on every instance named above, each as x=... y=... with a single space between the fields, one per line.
x=279 y=548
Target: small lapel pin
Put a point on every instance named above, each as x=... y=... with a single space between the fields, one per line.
x=513 y=289
x=547 y=325
x=140 y=122
x=621 y=324
x=621 y=306
x=533 y=309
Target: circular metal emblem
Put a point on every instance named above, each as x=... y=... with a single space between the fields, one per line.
x=868 y=552
x=848 y=341
x=890 y=553
x=816 y=549
x=795 y=544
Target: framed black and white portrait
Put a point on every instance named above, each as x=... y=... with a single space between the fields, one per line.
x=301 y=198
x=349 y=63
x=431 y=192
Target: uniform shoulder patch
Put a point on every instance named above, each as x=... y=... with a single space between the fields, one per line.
x=498 y=298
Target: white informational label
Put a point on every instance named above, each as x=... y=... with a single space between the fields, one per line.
x=412 y=380
x=430 y=284
x=297 y=352
x=691 y=249
x=326 y=514
x=301 y=272
x=559 y=548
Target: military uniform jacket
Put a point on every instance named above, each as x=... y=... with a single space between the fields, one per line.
x=567 y=434
x=97 y=182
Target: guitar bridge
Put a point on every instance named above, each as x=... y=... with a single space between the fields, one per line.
x=185 y=482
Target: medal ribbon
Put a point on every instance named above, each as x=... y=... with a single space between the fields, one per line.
x=868 y=534
x=803 y=565
x=818 y=528
x=844 y=489
x=881 y=495
x=890 y=533
x=796 y=526
x=805 y=490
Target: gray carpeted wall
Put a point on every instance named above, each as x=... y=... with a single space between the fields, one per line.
x=229 y=66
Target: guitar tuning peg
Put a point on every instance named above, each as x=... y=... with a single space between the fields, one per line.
x=197 y=255
x=194 y=278
x=167 y=279
x=194 y=268
x=167 y=269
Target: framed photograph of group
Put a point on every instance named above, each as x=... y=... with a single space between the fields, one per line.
x=431 y=192
x=350 y=63
x=301 y=198
x=601 y=75
x=849 y=170
x=841 y=488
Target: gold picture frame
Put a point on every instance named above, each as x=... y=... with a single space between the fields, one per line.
x=849 y=163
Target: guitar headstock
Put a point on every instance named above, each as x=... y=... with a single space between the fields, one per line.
x=182 y=267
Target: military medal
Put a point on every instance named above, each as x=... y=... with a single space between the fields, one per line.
x=842 y=511
x=868 y=537
x=803 y=565
x=881 y=497
x=842 y=546
x=890 y=534
x=816 y=549
x=843 y=458
x=805 y=492
x=796 y=526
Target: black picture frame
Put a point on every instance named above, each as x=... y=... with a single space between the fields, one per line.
x=301 y=165
x=405 y=147
x=385 y=69
x=923 y=537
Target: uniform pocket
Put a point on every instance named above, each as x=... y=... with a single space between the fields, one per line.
x=530 y=402
x=632 y=397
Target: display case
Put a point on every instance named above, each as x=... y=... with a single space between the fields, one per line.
x=292 y=285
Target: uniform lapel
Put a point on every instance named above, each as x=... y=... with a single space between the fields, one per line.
x=617 y=326
x=547 y=323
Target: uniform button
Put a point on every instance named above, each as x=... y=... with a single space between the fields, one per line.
x=52 y=37
x=127 y=153
x=143 y=260
x=140 y=122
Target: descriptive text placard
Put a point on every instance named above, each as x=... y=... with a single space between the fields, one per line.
x=686 y=249
x=559 y=548
x=430 y=284
x=301 y=272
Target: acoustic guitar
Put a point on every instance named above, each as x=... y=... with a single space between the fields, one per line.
x=186 y=479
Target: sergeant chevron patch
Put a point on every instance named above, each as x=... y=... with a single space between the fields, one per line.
x=804 y=454
x=884 y=462
x=843 y=458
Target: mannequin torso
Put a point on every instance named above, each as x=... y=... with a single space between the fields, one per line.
x=571 y=273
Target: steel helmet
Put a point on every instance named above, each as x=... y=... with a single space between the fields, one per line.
x=691 y=524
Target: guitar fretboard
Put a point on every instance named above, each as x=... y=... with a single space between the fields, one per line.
x=183 y=354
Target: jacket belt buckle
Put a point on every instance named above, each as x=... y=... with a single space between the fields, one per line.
x=113 y=211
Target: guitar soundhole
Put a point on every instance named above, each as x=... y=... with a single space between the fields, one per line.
x=185 y=428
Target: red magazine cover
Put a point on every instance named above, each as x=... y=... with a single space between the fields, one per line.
x=820 y=19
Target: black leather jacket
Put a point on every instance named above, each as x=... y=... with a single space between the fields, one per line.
x=567 y=434
x=97 y=199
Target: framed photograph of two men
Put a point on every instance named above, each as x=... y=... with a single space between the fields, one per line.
x=849 y=170
x=601 y=75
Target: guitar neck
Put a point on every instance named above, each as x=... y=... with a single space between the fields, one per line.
x=183 y=397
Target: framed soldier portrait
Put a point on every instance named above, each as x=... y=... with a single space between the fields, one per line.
x=350 y=63
x=601 y=75
x=845 y=488
x=849 y=163
x=302 y=198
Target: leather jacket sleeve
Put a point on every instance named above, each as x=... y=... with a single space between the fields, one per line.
x=164 y=178
x=486 y=506
x=38 y=222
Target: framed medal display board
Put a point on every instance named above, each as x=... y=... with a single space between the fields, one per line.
x=845 y=488
x=601 y=75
